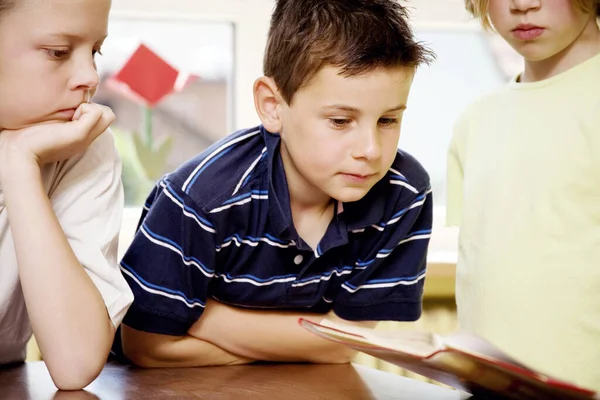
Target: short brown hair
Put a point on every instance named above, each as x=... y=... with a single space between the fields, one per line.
x=354 y=35
x=479 y=9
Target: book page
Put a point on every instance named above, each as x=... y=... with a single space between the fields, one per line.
x=417 y=343
x=475 y=345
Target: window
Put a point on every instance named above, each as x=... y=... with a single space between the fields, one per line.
x=183 y=123
x=246 y=23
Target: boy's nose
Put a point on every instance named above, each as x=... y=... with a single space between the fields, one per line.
x=525 y=5
x=90 y=79
x=85 y=76
x=368 y=145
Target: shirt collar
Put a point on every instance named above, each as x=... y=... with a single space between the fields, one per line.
x=279 y=196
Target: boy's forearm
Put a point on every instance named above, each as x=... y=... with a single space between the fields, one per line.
x=267 y=335
x=67 y=313
x=189 y=351
x=160 y=351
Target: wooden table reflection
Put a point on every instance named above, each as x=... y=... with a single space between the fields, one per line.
x=268 y=381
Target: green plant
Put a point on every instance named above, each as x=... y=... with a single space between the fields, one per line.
x=136 y=183
x=153 y=155
x=144 y=159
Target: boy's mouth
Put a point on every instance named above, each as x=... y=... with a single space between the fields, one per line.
x=527 y=31
x=357 y=177
x=66 y=113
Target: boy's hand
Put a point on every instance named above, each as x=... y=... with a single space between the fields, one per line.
x=56 y=141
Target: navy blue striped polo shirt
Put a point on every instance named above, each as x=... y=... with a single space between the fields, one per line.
x=221 y=227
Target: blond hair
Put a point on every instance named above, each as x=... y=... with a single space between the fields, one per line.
x=479 y=9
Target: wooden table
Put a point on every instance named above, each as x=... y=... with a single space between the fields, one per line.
x=291 y=381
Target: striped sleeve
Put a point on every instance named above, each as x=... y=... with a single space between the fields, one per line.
x=388 y=285
x=169 y=264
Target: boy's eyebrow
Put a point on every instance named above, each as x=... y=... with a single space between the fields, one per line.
x=66 y=35
x=342 y=107
x=397 y=108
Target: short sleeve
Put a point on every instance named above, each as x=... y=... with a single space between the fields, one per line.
x=87 y=198
x=388 y=285
x=170 y=263
x=454 y=174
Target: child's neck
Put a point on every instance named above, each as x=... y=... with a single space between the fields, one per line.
x=583 y=48
x=311 y=224
x=312 y=209
x=311 y=216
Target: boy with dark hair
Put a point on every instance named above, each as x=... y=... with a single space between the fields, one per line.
x=314 y=213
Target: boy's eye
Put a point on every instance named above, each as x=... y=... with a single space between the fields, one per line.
x=57 y=54
x=339 y=122
x=96 y=51
x=388 y=121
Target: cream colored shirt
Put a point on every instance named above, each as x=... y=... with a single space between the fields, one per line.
x=87 y=197
x=524 y=185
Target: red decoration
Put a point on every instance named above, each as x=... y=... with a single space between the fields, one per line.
x=147 y=78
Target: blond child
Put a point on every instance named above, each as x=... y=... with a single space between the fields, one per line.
x=524 y=186
x=60 y=190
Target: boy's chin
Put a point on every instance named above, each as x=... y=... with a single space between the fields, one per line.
x=49 y=121
x=534 y=52
x=349 y=195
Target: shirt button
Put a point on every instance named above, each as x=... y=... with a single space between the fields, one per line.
x=298 y=259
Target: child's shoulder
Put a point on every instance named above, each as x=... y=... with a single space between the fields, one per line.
x=406 y=181
x=223 y=168
x=410 y=171
x=405 y=186
x=101 y=156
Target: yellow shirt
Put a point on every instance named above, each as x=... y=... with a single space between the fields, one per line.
x=524 y=185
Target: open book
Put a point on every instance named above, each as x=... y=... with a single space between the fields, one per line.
x=460 y=360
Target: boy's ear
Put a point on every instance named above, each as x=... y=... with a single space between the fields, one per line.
x=267 y=101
